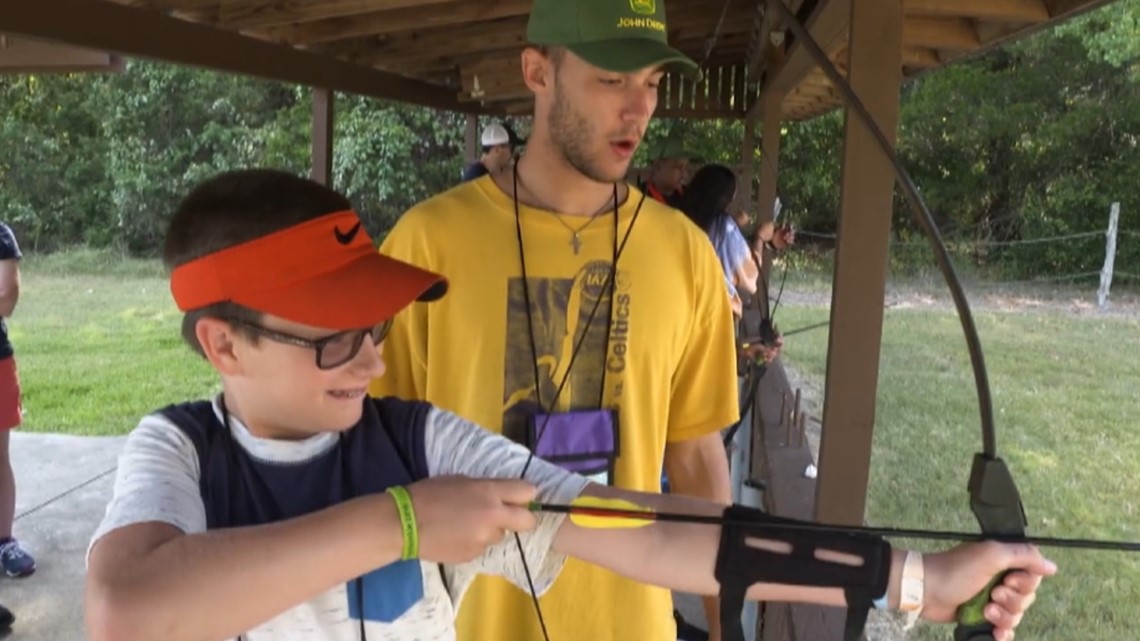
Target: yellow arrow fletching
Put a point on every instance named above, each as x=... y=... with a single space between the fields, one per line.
x=597 y=512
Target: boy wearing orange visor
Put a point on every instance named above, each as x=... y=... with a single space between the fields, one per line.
x=293 y=506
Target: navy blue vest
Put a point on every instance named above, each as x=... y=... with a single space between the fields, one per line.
x=386 y=448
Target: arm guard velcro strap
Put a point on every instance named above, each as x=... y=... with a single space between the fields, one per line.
x=740 y=565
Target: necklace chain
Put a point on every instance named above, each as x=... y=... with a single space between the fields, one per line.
x=575 y=238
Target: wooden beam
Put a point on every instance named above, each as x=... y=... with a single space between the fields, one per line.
x=471 y=146
x=21 y=55
x=451 y=44
x=698 y=22
x=397 y=20
x=760 y=42
x=172 y=5
x=425 y=66
x=920 y=57
x=1031 y=11
x=866 y=199
x=940 y=33
x=1059 y=10
x=105 y=26
x=249 y=14
x=322 y=135
x=828 y=26
x=492 y=72
x=474 y=38
x=698 y=114
x=1072 y=8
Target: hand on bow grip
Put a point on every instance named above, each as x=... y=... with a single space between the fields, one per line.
x=961 y=586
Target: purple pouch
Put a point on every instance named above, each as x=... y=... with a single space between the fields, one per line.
x=584 y=441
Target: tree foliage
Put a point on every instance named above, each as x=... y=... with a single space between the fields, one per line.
x=1034 y=139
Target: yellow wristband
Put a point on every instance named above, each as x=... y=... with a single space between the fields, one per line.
x=407 y=522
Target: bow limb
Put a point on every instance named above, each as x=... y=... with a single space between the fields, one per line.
x=994 y=498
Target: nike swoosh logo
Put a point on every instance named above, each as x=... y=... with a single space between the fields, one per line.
x=345 y=238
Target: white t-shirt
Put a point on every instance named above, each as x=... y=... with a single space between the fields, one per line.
x=157 y=480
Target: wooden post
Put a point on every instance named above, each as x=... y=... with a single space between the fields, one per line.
x=1109 y=256
x=770 y=112
x=322 y=133
x=747 y=151
x=867 y=187
x=471 y=138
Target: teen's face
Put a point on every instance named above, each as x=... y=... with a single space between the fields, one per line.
x=597 y=118
x=671 y=173
x=285 y=392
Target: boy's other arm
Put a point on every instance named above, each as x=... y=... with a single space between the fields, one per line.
x=9 y=286
x=149 y=579
x=152 y=581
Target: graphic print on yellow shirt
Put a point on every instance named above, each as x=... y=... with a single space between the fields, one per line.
x=670 y=372
x=559 y=334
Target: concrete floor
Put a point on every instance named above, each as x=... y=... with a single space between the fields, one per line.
x=63 y=484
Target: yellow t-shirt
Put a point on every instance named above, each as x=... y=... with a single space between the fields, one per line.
x=669 y=368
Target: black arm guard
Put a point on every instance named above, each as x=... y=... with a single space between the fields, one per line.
x=739 y=566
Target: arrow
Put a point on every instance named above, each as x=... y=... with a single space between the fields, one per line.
x=599 y=513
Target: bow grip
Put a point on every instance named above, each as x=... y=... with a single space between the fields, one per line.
x=768 y=332
x=972 y=623
x=997 y=505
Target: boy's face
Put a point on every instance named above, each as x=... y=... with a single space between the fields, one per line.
x=284 y=394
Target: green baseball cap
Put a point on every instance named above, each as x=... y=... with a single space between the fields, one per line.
x=615 y=35
x=669 y=147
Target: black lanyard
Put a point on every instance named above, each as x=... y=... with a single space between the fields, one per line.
x=611 y=281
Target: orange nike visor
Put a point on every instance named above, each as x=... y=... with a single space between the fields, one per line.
x=323 y=272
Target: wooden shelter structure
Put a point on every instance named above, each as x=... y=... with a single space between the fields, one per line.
x=463 y=56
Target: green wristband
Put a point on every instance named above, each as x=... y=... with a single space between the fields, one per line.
x=407 y=522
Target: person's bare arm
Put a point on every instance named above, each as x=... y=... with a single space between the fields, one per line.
x=699 y=468
x=9 y=286
x=682 y=556
x=746 y=275
x=151 y=581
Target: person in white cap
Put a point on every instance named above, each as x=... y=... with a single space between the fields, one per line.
x=496 y=153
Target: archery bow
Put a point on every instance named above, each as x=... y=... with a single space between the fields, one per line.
x=599 y=513
x=994 y=498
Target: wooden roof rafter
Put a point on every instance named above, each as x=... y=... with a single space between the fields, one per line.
x=424 y=51
x=935 y=33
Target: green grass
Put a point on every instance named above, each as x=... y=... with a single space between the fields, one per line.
x=97 y=351
x=1066 y=406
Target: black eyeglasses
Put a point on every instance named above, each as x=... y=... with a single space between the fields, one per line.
x=332 y=351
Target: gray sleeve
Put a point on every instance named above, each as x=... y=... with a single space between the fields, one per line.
x=455 y=446
x=157 y=480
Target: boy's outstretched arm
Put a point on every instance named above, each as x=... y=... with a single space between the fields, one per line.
x=682 y=556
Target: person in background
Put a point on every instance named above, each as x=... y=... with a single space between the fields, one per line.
x=497 y=146
x=15 y=560
x=668 y=170
x=706 y=202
